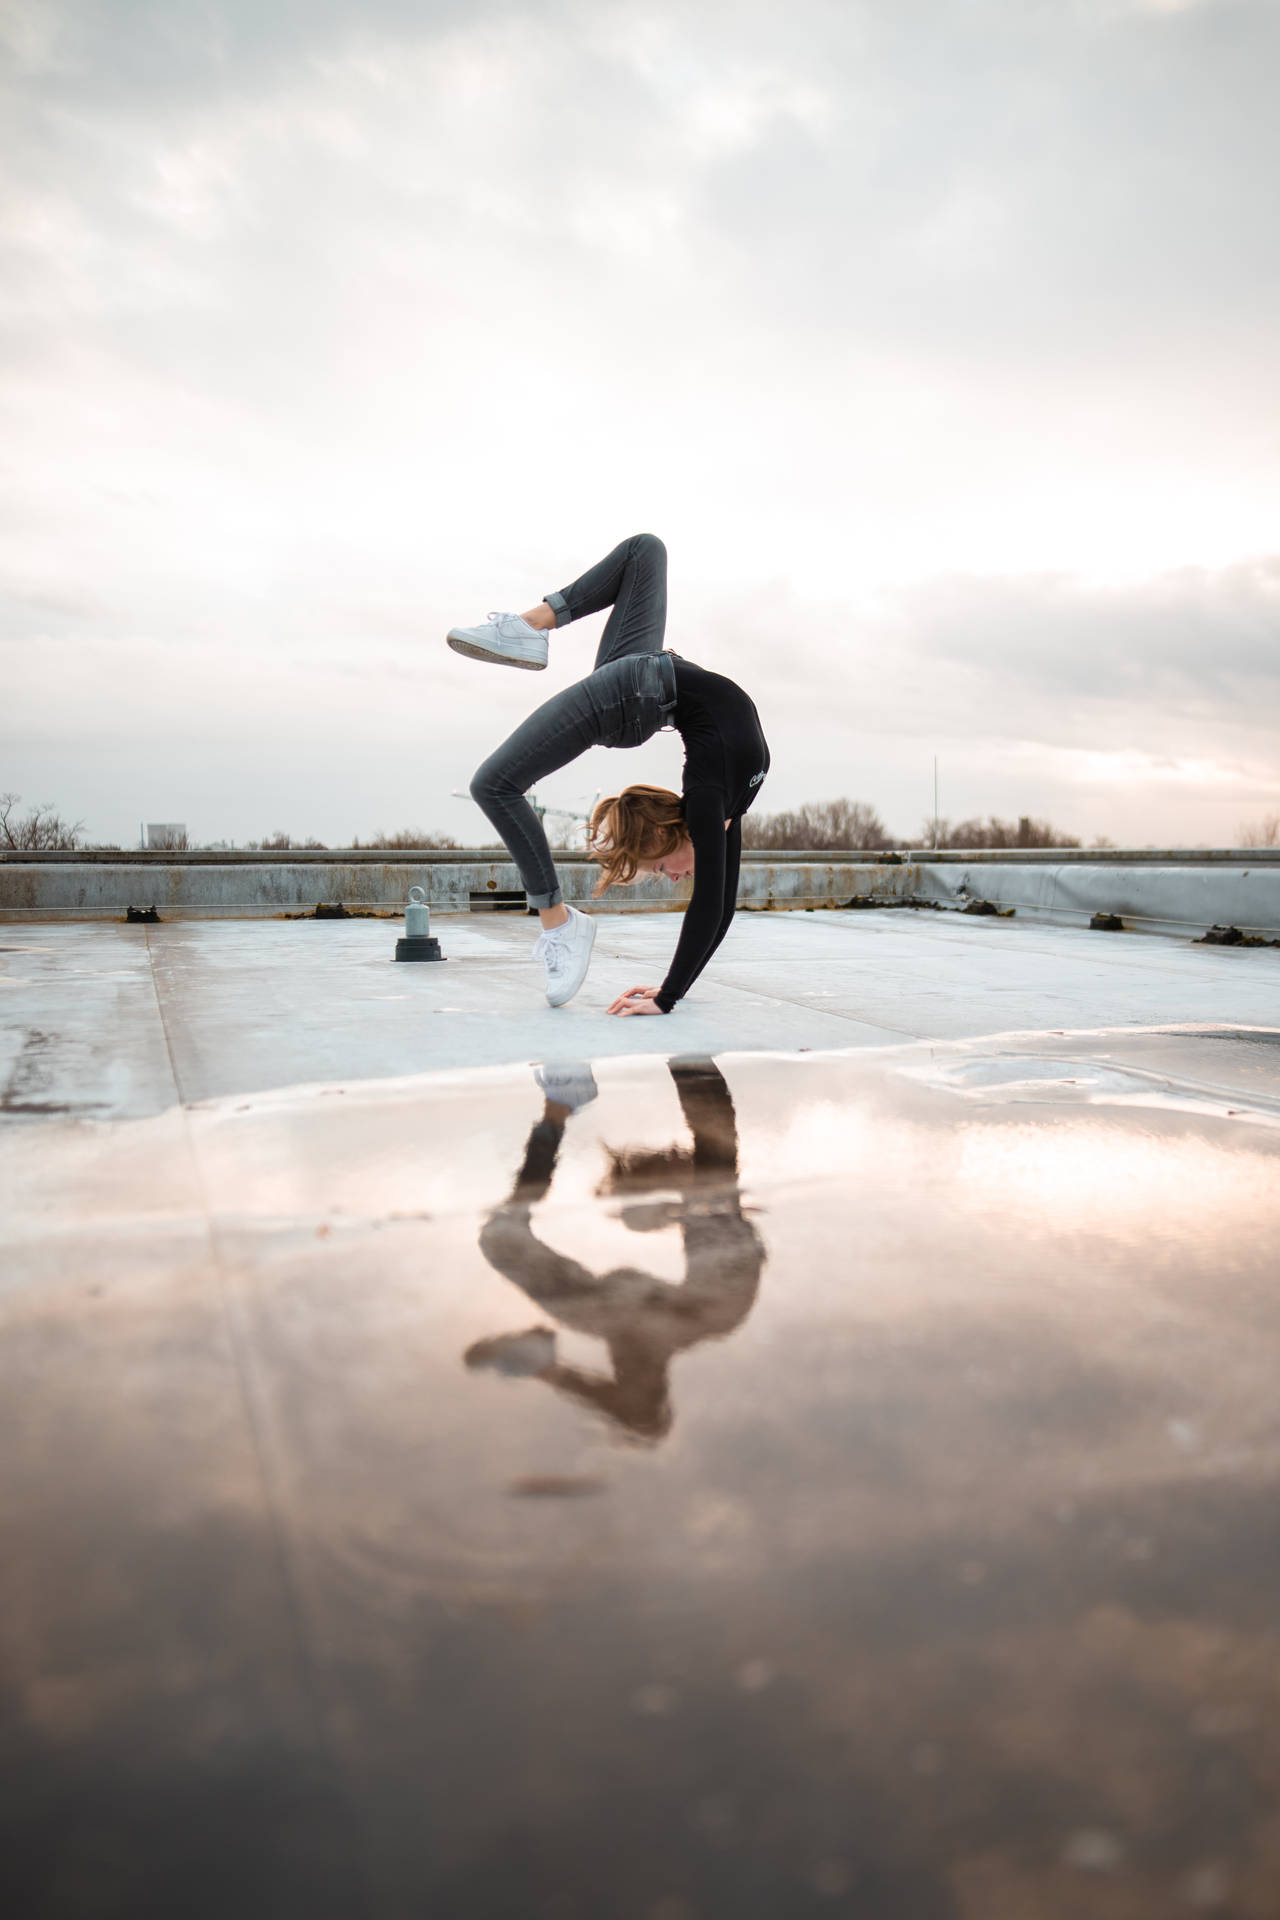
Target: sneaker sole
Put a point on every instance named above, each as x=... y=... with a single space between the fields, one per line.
x=577 y=987
x=474 y=652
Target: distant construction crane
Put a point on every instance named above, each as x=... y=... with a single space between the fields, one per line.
x=542 y=809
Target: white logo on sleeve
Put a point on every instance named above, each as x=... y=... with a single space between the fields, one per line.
x=755 y=780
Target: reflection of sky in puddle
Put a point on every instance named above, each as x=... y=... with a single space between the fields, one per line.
x=918 y=1559
x=1108 y=1176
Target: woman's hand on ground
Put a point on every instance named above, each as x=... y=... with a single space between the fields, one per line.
x=635 y=1000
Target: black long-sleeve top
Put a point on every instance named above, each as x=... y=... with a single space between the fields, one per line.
x=726 y=760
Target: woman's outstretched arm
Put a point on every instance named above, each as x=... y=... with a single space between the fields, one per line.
x=708 y=914
x=732 y=868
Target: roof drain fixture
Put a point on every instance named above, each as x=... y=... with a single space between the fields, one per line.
x=417 y=943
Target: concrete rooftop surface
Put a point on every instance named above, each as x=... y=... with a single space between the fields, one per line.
x=122 y=1020
x=814 y=1454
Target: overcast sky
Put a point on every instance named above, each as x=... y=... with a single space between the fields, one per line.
x=939 y=339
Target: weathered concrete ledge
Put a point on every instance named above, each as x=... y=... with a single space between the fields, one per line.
x=471 y=856
x=1179 y=896
x=1180 y=892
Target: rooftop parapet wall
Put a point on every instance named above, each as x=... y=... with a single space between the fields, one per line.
x=418 y=857
x=1177 y=897
x=190 y=886
x=1174 y=892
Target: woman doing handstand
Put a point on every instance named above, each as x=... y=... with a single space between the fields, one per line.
x=634 y=690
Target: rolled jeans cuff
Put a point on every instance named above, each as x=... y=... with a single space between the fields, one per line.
x=544 y=900
x=560 y=607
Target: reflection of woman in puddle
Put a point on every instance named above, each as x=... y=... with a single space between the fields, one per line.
x=634 y=689
x=643 y=1321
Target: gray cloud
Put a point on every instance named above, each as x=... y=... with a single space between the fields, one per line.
x=167 y=58
x=1198 y=640
x=1074 y=180
x=324 y=326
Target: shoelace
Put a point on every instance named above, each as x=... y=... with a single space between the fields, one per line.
x=550 y=948
x=496 y=619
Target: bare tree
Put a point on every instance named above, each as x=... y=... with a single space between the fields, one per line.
x=1261 y=833
x=994 y=832
x=407 y=837
x=277 y=842
x=41 y=830
x=281 y=842
x=821 y=826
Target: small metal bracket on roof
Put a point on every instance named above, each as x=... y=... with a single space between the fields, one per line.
x=142 y=916
x=417 y=943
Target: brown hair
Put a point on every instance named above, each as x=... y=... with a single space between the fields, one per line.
x=640 y=823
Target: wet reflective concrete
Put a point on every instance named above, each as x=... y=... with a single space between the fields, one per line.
x=666 y=1488
x=124 y=1020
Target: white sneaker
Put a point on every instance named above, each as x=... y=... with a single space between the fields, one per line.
x=566 y=953
x=571 y=1083
x=505 y=638
x=520 y=1356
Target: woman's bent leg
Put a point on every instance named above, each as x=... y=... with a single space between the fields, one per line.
x=633 y=581
x=557 y=733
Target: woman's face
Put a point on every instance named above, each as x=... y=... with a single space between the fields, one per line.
x=672 y=866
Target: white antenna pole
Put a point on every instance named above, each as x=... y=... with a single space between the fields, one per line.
x=935 y=803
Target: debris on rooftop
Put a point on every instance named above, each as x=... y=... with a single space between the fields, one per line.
x=1233 y=937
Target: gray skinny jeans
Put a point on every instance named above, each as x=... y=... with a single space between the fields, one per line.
x=628 y=696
